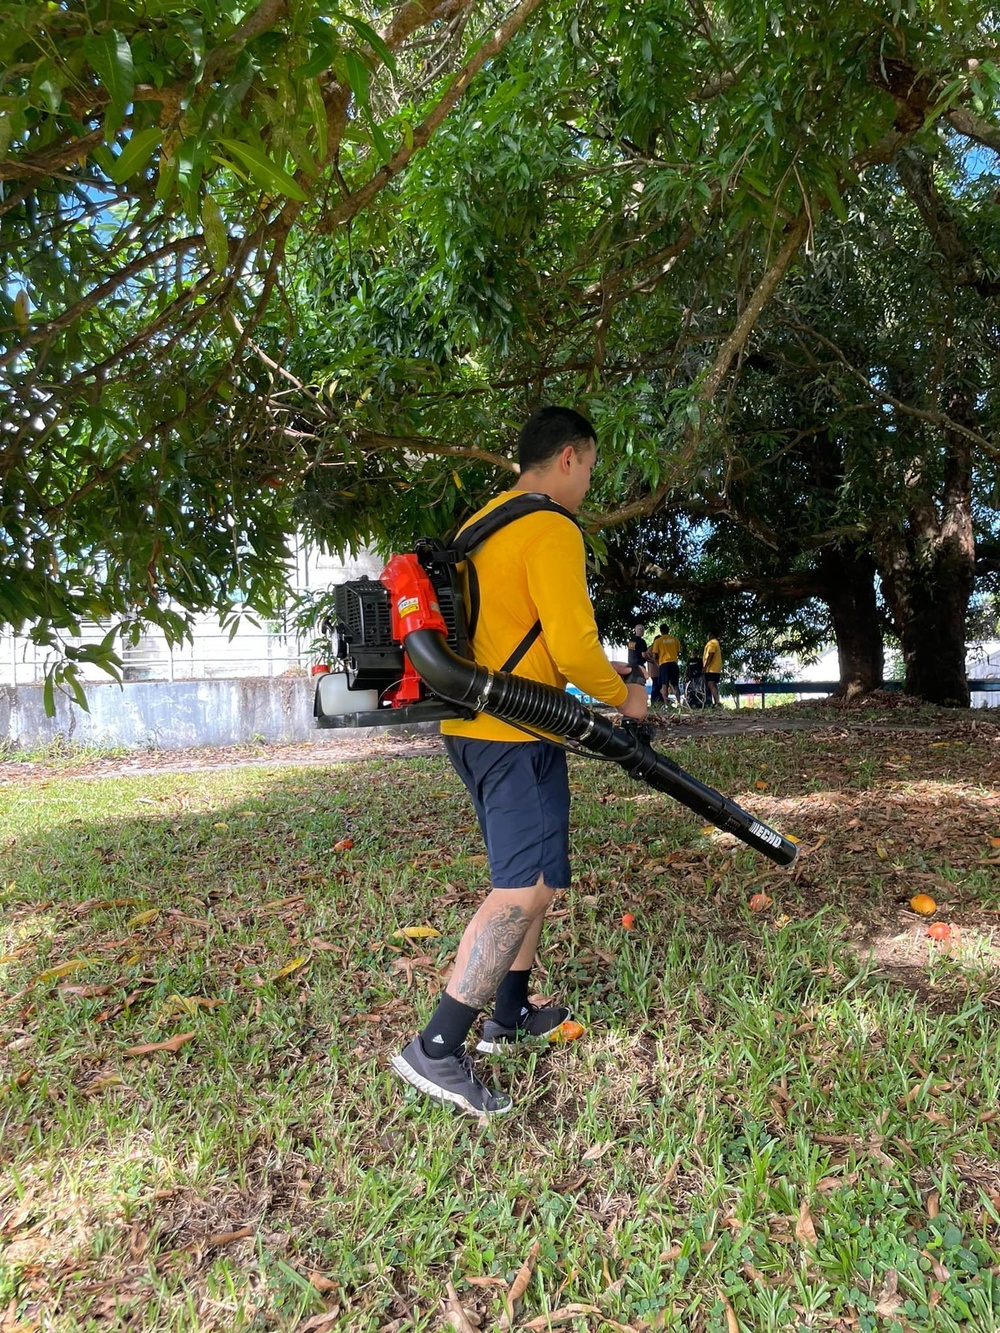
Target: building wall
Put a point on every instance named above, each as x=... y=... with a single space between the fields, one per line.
x=168 y=715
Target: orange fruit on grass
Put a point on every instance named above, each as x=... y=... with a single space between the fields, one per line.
x=924 y=904
x=568 y=1031
x=758 y=901
x=939 y=930
x=628 y=921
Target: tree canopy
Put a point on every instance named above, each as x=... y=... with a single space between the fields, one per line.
x=296 y=265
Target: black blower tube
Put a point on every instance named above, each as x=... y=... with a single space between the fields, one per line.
x=516 y=699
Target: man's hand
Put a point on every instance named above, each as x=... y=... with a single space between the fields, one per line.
x=636 y=705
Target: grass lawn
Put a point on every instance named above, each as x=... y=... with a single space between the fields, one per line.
x=779 y=1119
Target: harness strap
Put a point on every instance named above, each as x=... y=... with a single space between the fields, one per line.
x=472 y=537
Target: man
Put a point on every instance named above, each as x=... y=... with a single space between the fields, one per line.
x=711 y=661
x=667 y=649
x=531 y=571
x=638 y=652
x=656 y=695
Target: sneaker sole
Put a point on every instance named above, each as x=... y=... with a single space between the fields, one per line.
x=504 y=1043
x=442 y=1095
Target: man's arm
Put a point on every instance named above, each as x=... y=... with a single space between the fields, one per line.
x=557 y=581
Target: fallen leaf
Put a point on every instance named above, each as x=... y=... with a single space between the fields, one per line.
x=805 y=1230
x=597 y=1151
x=941 y=1273
x=142 y=918
x=344 y=845
x=174 y=1044
x=110 y=1081
x=455 y=1313
x=187 y=1004
x=889 y=1300
x=322 y=1283
x=732 y=1323
x=518 y=1287
x=485 y=1281
x=289 y=968
x=933 y=1203
x=416 y=933
x=319 y=1320
x=64 y=969
x=227 y=1237
x=561 y=1316
x=83 y=992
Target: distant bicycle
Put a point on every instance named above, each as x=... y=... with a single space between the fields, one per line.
x=695 y=685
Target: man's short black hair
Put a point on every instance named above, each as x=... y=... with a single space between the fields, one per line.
x=549 y=431
x=664 y=630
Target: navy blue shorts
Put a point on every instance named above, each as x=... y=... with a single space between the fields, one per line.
x=521 y=794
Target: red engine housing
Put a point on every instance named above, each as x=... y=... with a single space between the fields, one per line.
x=413 y=605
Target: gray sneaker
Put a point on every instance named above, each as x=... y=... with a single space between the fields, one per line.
x=534 y=1022
x=450 y=1081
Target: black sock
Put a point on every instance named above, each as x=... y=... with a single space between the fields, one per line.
x=448 y=1028
x=512 y=998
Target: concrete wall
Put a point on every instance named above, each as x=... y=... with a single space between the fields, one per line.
x=164 y=715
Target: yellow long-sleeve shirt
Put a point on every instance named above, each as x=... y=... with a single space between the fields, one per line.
x=535 y=569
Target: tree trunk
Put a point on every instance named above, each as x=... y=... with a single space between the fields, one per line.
x=928 y=571
x=848 y=574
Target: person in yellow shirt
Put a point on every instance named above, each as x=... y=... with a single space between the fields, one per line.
x=711 y=661
x=667 y=650
x=533 y=601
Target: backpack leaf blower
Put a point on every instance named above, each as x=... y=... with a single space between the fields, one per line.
x=403 y=645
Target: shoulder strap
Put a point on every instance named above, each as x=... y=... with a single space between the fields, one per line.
x=532 y=502
x=472 y=537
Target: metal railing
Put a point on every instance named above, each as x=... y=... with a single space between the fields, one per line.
x=797 y=688
x=211 y=655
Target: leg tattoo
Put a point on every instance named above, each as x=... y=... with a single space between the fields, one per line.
x=493 y=950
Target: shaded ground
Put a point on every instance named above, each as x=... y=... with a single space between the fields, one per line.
x=787 y=1115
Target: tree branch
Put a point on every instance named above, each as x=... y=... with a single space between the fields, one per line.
x=359 y=199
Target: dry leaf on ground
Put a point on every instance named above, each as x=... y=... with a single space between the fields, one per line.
x=455 y=1312
x=561 y=1316
x=732 y=1323
x=805 y=1230
x=174 y=1044
x=518 y=1287
x=323 y=1320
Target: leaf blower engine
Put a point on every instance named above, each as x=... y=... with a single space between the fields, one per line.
x=400 y=649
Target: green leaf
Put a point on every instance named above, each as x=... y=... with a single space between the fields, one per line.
x=324 y=52
x=829 y=187
x=6 y=133
x=368 y=34
x=110 y=57
x=135 y=154
x=319 y=118
x=49 y=695
x=216 y=237
x=358 y=76
x=268 y=174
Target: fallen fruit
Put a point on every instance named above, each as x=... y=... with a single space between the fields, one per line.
x=628 y=921
x=344 y=845
x=758 y=901
x=924 y=904
x=939 y=930
x=568 y=1031
x=417 y=933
